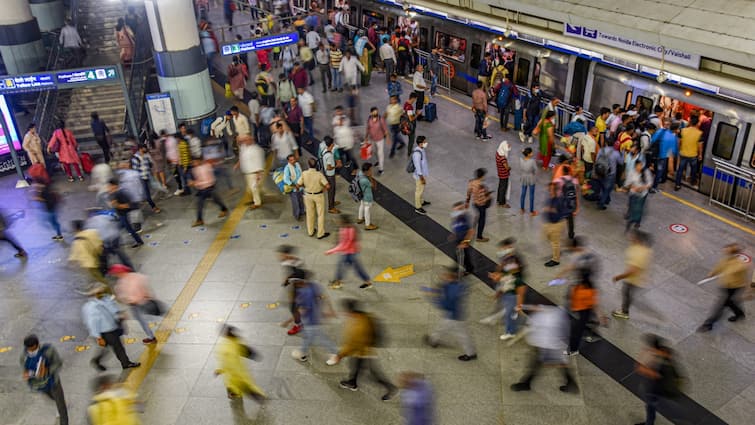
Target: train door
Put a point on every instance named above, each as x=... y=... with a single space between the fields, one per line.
x=579 y=81
x=725 y=144
x=371 y=17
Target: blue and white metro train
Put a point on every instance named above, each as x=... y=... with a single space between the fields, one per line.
x=582 y=80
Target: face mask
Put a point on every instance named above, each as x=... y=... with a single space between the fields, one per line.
x=32 y=353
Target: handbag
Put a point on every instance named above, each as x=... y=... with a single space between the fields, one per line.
x=365 y=152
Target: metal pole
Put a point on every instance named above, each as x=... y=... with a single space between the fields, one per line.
x=129 y=106
x=6 y=126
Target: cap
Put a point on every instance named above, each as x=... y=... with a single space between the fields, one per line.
x=118 y=269
x=228 y=112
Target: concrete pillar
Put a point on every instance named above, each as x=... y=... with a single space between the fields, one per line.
x=50 y=14
x=180 y=63
x=20 y=40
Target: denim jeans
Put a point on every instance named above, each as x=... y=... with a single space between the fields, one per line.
x=337 y=79
x=396 y=138
x=434 y=84
x=351 y=260
x=297 y=204
x=661 y=168
x=684 y=161
x=509 y=312
x=479 y=119
x=313 y=333
x=52 y=218
x=127 y=225
x=148 y=193
x=523 y=196
x=309 y=128
x=203 y=194
x=605 y=194
x=139 y=317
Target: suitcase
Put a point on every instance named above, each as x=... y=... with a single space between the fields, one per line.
x=38 y=173
x=86 y=162
x=431 y=112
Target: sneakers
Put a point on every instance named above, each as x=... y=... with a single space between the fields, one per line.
x=294 y=330
x=571 y=353
x=332 y=360
x=420 y=211
x=521 y=136
x=425 y=203
x=131 y=365
x=466 y=358
x=178 y=192
x=552 y=263
x=390 y=394
x=620 y=314
x=360 y=221
x=149 y=340
x=336 y=284
x=370 y=227
x=506 y=337
x=349 y=385
x=298 y=355
x=57 y=238
x=520 y=386
x=365 y=285
x=197 y=223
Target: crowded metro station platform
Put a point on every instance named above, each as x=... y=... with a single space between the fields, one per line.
x=416 y=216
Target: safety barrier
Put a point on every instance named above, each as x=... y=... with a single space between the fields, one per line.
x=733 y=189
x=445 y=75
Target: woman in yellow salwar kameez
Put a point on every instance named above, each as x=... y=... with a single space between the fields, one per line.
x=230 y=353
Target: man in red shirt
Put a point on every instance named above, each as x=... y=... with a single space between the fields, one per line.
x=299 y=76
x=411 y=111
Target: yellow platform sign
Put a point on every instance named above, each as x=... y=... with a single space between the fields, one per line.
x=395 y=275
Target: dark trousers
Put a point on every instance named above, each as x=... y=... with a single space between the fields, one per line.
x=411 y=137
x=179 y=177
x=56 y=394
x=683 y=162
x=102 y=141
x=112 y=340
x=627 y=293
x=420 y=101
x=505 y=112
x=403 y=61
x=464 y=256
x=570 y=225
x=651 y=404
x=123 y=216
x=350 y=162
x=532 y=120
x=479 y=120
x=661 y=169
x=481 y=218
x=536 y=363
x=297 y=204
x=8 y=238
x=578 y=329
x=331 y=191
x=325 y=76
x=503 y=187
x=148 y=193
x=359 y=363
x=605 y=194
x=389 y=64
x=728 y=299
x=396 y=139
x=114 y=248
x=203 y=194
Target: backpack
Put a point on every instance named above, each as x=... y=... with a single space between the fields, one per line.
x=405 y=124
x=603 y=163
x=262 y=85
x=567 y=202
x=204 y=128
x=355 y=190
x=410 y=168
x=671 y=381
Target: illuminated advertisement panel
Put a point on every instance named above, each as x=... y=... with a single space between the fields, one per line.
x=8 y=118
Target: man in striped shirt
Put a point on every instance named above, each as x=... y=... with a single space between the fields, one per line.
x=335 y=64
x=142 y=162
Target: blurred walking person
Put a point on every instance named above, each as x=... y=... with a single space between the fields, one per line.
x=732 y=275
x=348 y=247
x=311 y=302
x=103 y=319
x=5 y=237
x=133 y=290
x=416 y=399
x=41 y=364
x=230 y=353
x=204 y=182
x=50 y=200
x=657 y=367
x=112 y=403
x=291 y=264
x=548 y=331
x=252 y=165
x=480 y=197
x=449 y=297
x=637 y=259
x=361 y=335
x=101 y=135
x=124 y=38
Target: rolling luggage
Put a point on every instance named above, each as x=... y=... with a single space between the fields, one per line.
x=87 y=163
x=431 y=112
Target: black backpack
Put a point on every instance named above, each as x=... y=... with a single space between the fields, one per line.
x=410 y=165
x=568 y=200
x=406 y=125
x=355 y=190
x=603 y=163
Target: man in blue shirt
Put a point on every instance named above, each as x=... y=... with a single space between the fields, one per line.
x=608 y=178
x=102 y=318
x=449 y=297
x=668 y=148
x=483 y=73
x=309 y=299
x=461 y=226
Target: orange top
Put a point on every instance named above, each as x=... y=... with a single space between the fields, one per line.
x=583 y=298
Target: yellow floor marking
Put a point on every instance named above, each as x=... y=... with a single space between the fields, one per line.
x=5 y=349
x=168 y=325
x=709 y=213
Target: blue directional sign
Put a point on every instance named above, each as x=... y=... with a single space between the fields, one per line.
x=87 y=75
x=260 y=43
x=26 y=82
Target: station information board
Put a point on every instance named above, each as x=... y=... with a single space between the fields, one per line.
x=58 y=79
x=269 y=42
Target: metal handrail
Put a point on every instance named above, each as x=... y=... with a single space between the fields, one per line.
x=725 y=189
x=137 y=82
x=444 y=77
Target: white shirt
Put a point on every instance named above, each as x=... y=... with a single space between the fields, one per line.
x=386 y=52
x=220 y=126
x=344 y=137
x=195 y=146
x=313 y=39
x=350 y=67
x=283 y=144
x=323 y=56
x=251 y=158
x=306 y=100
x=589 y=144
x=241 y=123
x=337 y=120
x=418 y=81
x=69 y=37
x=254 y=109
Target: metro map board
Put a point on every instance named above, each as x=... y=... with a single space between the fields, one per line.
x=260 y=43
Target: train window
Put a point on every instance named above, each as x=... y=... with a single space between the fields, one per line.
x=423 y=39
x=370 y=18
x=522 y=72
x=450 y=46
x=476 y=56
x=726 y=138
x=645 y=103
x=553 y=73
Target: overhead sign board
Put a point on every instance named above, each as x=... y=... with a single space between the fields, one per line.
x=57 y=79
x=630 y=45
x=269 y=42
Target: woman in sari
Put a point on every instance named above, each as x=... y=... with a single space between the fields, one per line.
x=124 y=37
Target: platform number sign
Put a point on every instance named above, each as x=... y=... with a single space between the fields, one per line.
x=678 y=228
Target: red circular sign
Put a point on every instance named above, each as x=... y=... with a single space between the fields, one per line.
x=678 y=228
x=744 y=258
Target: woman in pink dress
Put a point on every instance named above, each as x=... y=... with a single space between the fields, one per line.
x=63 y=142
x=124 y=37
